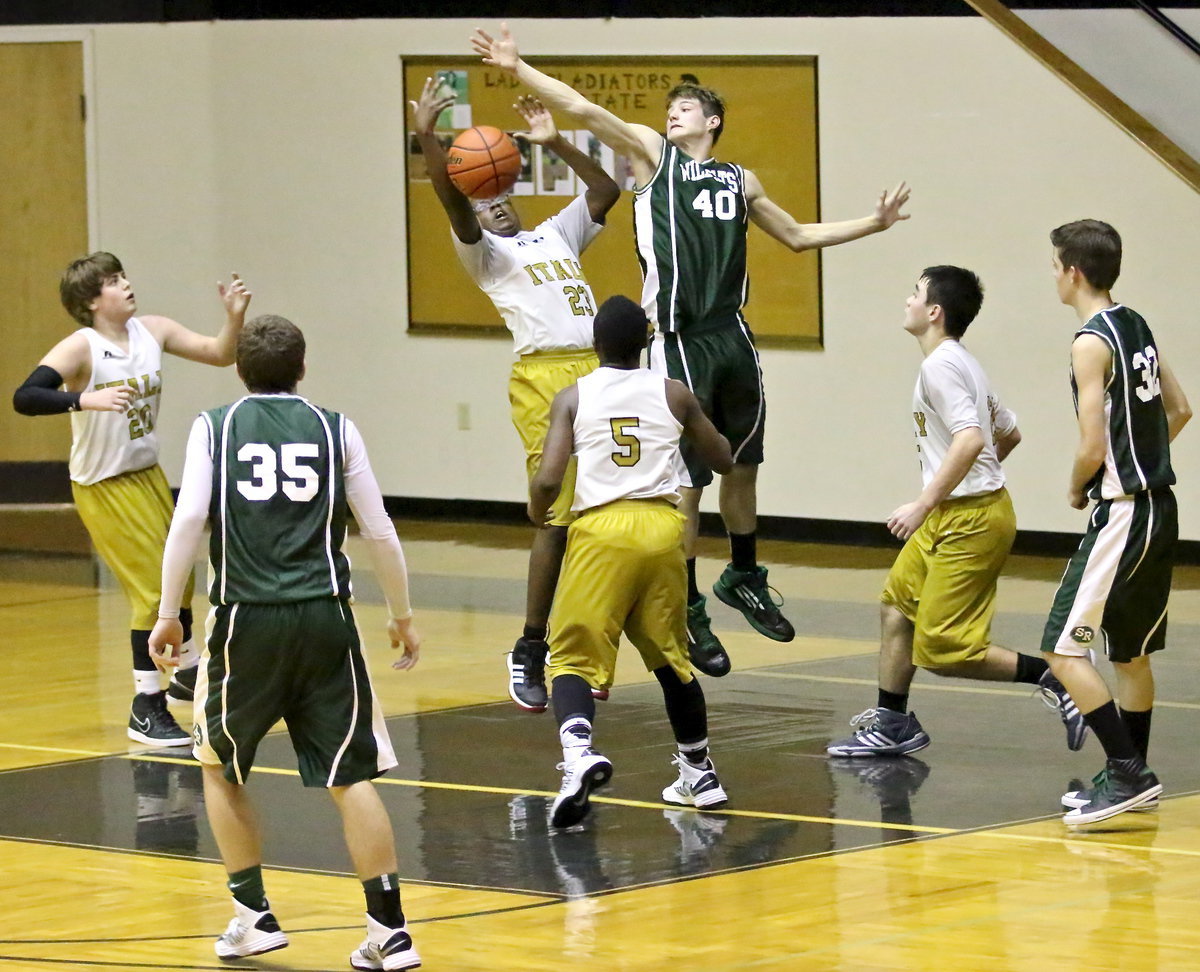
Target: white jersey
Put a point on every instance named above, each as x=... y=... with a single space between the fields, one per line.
x=626 y=438
x=535 y=280
x=105 y=444
x=953 y=394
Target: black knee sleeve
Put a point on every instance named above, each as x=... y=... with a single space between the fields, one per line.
x=685 y=705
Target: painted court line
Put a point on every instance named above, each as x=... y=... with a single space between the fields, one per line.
x=921 y=687
x=611 y=801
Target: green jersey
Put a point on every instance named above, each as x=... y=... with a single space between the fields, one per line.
x=1139 y=450
x=278 y=507
x=690 y=224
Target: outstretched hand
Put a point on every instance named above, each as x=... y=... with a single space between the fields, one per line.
x=499 y=51
x=235 y=296
x=887 y=209
x=429 y=106
x=537 y=116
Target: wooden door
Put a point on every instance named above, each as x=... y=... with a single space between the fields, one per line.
x=43 y=226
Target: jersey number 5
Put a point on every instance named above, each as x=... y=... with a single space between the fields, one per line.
x=300 y=483
x=629 y=444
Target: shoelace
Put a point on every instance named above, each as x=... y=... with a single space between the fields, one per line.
x=867 y=716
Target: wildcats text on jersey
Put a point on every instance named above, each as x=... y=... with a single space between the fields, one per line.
x=693 y=171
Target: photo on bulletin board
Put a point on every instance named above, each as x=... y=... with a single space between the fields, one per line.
x=771 y=128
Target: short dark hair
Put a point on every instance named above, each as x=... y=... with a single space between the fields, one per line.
x=81 y=283
x=710 y=101
x=958 y=292
x=270 y=355
x=620 y=329
x=1092 y=246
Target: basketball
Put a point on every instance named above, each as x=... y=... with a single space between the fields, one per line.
x=483 y=162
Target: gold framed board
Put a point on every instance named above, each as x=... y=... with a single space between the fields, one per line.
x=771 y=128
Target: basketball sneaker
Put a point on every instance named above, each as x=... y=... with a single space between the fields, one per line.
x=705 y=650
x=385 y=948
x=697 y=786
x=1120 y=789
x=182 y=687
x=883 y=733
x=527 y=674
x=1055 y=695
x=152 y=724
x=250 y=933
x=587 y=772
x=1079 y=795
x=747 y=591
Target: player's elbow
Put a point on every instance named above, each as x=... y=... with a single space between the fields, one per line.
x=21 y=402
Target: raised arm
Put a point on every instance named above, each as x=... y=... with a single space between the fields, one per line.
x=642 y=145
x=186 y=343
x=602 y=191
x=773 y=220
x=712 y=447
x=556 y=453
x=457 y=206
x=1090 y=360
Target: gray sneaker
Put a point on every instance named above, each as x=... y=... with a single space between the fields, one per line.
x=882 y=733
x=1056 y=697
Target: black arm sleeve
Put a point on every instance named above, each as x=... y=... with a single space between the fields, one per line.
x=40 y=394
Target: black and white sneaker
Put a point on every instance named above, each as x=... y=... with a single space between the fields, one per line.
x=697 y=786
x=249 y=933
x=747 y=591
x=1079 y=795
x=385 y=948
x=527 y=674
x=182 y=687
x=1056 y=697
x=152 y=724
x=586 y=773
x=1118 y=791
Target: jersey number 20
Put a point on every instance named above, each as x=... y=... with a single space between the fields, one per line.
x=300 y=482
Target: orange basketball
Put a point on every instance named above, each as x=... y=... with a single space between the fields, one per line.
x=483 y=162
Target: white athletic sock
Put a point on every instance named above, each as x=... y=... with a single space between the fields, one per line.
x=189 y=655
x=146 y=683
x=576 y=737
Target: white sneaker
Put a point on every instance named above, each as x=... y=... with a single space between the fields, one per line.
x=250 y=933
x=588 y=772
x=697 y=786
x=385 y=948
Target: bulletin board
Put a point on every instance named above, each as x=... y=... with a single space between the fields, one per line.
x=770 y=128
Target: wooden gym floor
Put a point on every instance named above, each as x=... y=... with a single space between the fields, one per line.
x=955 y=860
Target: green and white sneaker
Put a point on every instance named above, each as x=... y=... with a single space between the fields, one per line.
x=747 y=591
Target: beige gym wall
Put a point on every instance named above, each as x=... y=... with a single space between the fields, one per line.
x=276 y=149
